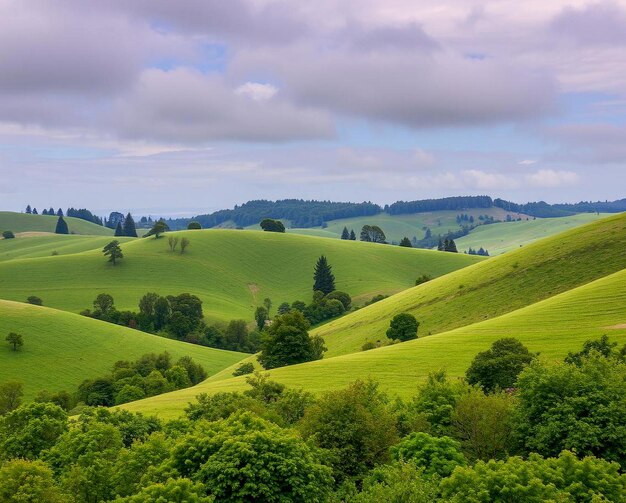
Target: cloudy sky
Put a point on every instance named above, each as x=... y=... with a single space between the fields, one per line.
x=177 y=107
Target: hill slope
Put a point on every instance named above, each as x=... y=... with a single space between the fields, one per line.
x=491 y=288
x=25 y=222
x=62 y=349
x=231 y=271
x=552 y=327
x=505 y=236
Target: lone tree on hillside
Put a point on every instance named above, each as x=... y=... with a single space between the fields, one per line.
x=129 y=226
x=15 y=339
x=499 y=366
x=113 y=251
x=194 y=225
x=158 y=228
x=271 y=225
x=184 y=243
x=8 y=235
x=406 y=242
x=287 y=342
x=34 y=300
x=324 y=279
x=119 y=230
x=373 y=234
x=403 y=327
x=345 y=234
x=28 y=209
x=172 y=241
x=61 y=227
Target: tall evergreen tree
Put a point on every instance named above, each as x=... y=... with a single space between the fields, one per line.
x=345 y=234
x=119 y=231
x=44 y=212
x=59 y=212
x=352 y=235
x=51 y=211
x=450 y=246
x=61 y=227
x=129 y=226
x=324 y=279
x=406 y=242
x=35 y=211
x=441 y=245
x=29 y=209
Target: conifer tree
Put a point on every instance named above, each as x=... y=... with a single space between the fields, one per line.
x=61 y=227
x=352 y=235
x=28 y=209
x=35 y=211
x=440 y=246
x=406 y=242
x=345 y=234
x=113 y=251
x=450 y=246
x=324 y=280
x=44 y=212
x=59 y=212
x=118 y=230
x=129 y=226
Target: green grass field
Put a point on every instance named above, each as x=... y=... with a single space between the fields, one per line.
x=48 y=244
x=506 y=236
x=231 y=271
x=552 y=327
x=493 y=287
x=62 y=349
x=24 y=222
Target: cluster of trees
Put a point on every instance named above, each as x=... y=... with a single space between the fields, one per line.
x=372 y=234
x=81 y=213
x=271 y=225
x=125 y=227
x=150 y=375
x=557 y=435
x=299 y=212
x=447 y=245
x=348 y=235
x=481 y=251
x=446 y=203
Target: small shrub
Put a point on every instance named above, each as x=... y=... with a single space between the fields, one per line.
x=34 y=300
x=8 y=235
x=243 y=369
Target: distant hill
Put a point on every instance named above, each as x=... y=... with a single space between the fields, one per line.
x=62 y=349
x=231 y=271
x=25 y=222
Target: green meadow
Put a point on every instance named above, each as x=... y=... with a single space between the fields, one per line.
x=62 y=349
x=231 y=271
x=552 y=327
x=25 y=222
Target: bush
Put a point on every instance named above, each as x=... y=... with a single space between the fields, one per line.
x=424 y=278
x=194 y=225
x=397 y=482
x=24 y=481
x=34 y=300
x=403 y=327
x=436 y=455
x=345 y=298
x=8 y=235
x=243 y=369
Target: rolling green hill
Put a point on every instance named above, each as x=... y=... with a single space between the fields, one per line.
x=62 y=349
x=505 y=236
x=231 y=271
x=48 y=244
x=491 y=288
x=552 y=327
x=25 y=222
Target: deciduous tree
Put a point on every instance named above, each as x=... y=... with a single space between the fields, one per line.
x=15 y=339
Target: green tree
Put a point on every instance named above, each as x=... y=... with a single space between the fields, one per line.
x=11 y=393
x=399 y=483
x=244 y=369
x=172 y=242
x=245 y=458
x=158 y=228
x=23 y=481
x=284 y=308
x=372 y=234
x=8 y=235
x=129 y=226
x=28 y=430
x=352 y=235
x=271 y=225
x=184 y=243
x=113 y=251
x=574 y=407
x=15 y=339
x=287 y=342
x=171 y=491
x=355 y=425
x=450 y=246
x=499 y=366
x=536 y=480
x=194 y=225
x=119 y=230
x=602 y=347
x=345 y=234
x=323 y=277
x=261 y=316
x=342 y=297
x=406 y=242
x=34 y=300
x=104 y=304
x=436 y=455
x=61 y=227
x=403 y=327
x=484 y=424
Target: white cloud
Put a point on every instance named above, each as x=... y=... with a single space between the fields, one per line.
x=257 y=91
x=552 y=178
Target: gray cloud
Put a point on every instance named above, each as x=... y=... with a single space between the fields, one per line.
x=589 y=144
x=601 y=23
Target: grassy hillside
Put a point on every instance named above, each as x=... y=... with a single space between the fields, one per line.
x=24 y=222
x=62 y=349
x=506 y=236
x=493 y=287
x=231 y=271
x=552 y=327
x=46 y=245
x=396 y=227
